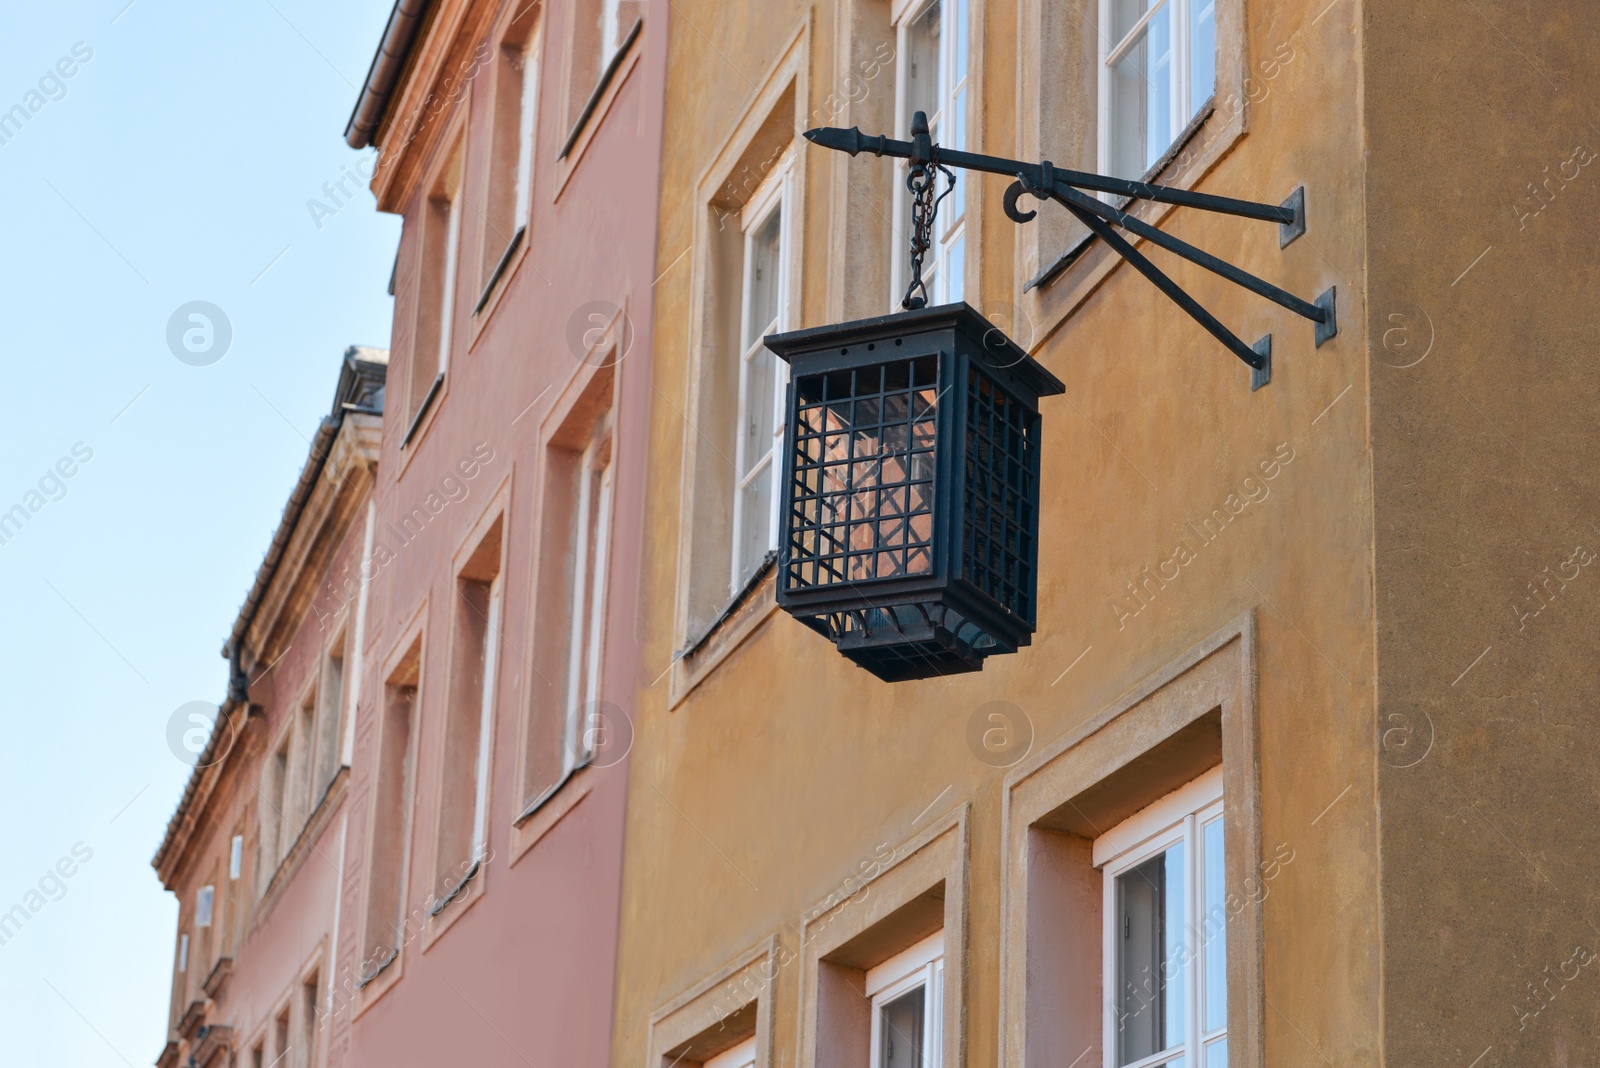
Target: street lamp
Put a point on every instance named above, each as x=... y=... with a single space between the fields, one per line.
x=911 y=489
x=910 y=497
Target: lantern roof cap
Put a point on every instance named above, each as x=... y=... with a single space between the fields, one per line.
x=996 y=346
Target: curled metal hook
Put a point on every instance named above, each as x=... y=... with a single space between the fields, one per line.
x=1013 y=192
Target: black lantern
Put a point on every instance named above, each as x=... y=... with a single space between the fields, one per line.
x=911 y=489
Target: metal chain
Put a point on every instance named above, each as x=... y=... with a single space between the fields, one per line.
x=922 y=181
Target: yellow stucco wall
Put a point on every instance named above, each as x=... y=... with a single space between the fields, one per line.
x=786 y=768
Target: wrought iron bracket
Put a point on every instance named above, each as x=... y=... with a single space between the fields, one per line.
x=1066 y=187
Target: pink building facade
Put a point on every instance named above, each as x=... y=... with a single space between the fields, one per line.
x=453 y=892
x=519 y=141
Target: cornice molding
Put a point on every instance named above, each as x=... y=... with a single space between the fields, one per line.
x=445 y=63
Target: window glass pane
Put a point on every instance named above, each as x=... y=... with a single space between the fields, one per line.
x=900 y=1028
x=1124 y=15
x=763 y=268
x=954 y=206
x=755 y=523
x=1203 y=53
x=1151 y=978
x=1215 y=943
x=955 y=268
x=761 y=370
x=958 y=15
x=1141 y=100
x=203 y=904
x=1217 y=1054
x=922 y=66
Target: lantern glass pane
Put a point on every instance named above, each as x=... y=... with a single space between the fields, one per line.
x=863 y=474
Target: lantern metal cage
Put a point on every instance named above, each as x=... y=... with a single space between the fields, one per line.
x=910 y=497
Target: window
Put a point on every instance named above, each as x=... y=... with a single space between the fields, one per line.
x=327 y=723
x=511 y=155
x=183 y=953
x=1158 y=67
x=308 y=1020
x=280 y=1029
x=1165 y=944
x=300 y=769
x=234 y=915
x=742 y=1055
x=763 y=310
x=441 y=243
x=907 y=994
x=933 y=80
x=592 y=534
x=273 y=797
x=527 y=113
x=391 y=817
x=571 y=578
x=600 y=30
x=469 y=719
x=204 y=901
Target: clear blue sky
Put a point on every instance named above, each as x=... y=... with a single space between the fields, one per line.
x=174 y=165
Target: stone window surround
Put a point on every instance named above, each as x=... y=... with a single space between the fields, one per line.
x=921 y=888
x=518 y=33
x=496 y=511
x=719 y=1012
x=756 y=142
x=1180 y=721
x=414 y=634
x=593 y=386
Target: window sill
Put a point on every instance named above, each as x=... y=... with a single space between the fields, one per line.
x=607 y=76
x=598 y=105
x=423 y=410
x=1154 y=175
x=499 y=282
x=1059 y=288
x=371 y=987
x=444 y=911
x=539 y=818
x=743 y=616
x=303 y=845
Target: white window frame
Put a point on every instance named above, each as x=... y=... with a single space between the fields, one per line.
x=952 y=82
x=452 y=263
x=1179 y=817
x=774 y=194
x=919 y=965
x=610 y=31
x=588 y=601
x=1182 y=105
x=742 y=1055
x=480 y=798
x=235 y=857
x=527 y=128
